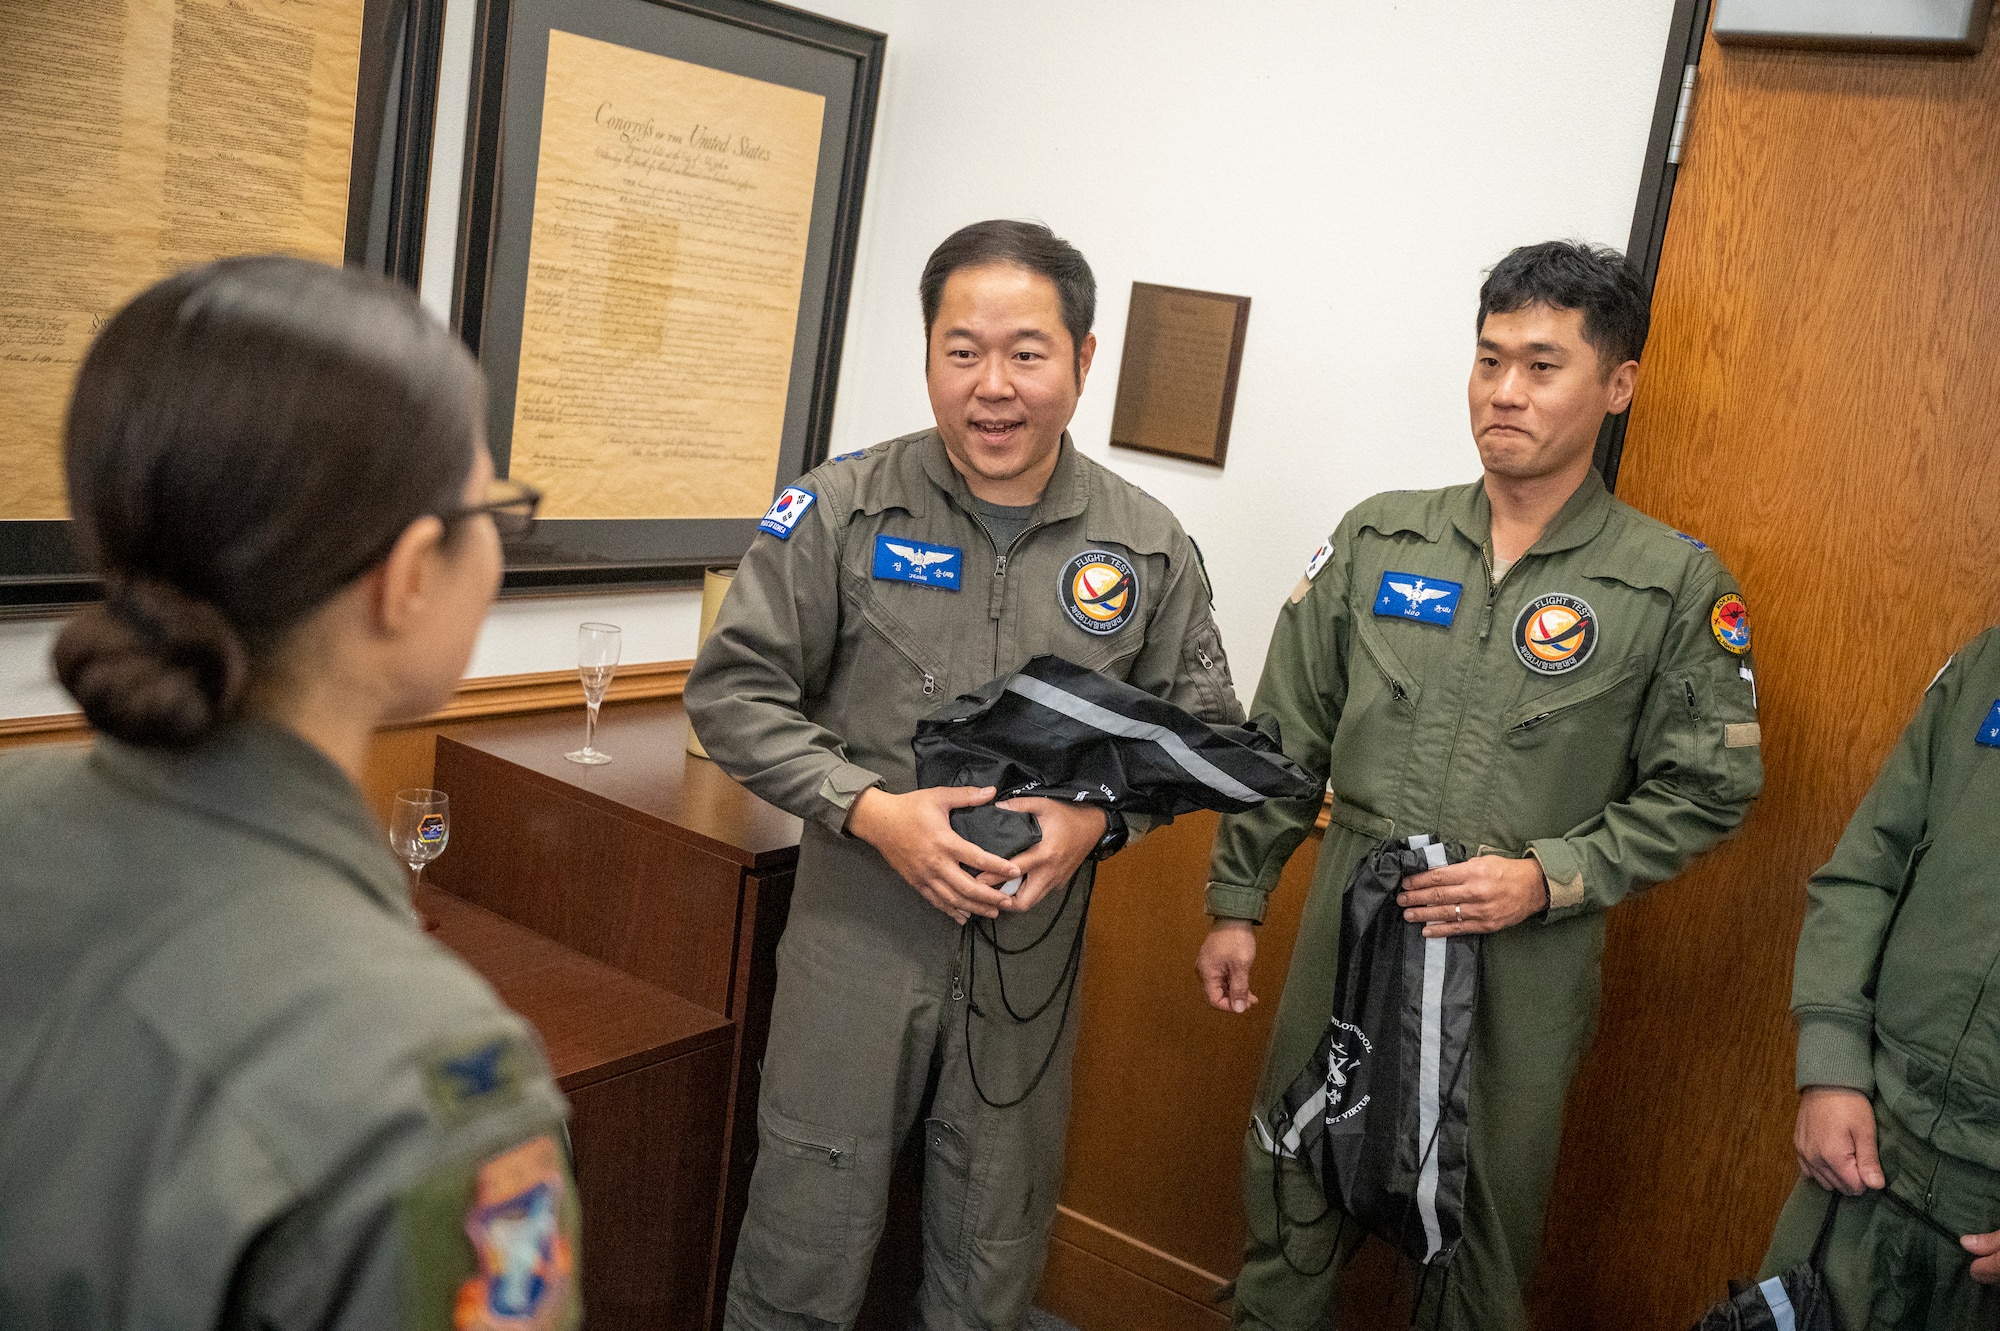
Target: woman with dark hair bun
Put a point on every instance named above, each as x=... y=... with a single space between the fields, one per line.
x=241 y=1087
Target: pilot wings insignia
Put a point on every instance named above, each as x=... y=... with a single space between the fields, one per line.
x=1418 y=593
x=923 y=558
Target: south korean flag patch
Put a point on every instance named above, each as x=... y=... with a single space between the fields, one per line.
x=1313 y=566
x=784 y=516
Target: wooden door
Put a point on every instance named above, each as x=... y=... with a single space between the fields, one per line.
x=1820 y=402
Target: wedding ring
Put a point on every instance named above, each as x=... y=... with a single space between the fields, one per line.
x=1458 y=911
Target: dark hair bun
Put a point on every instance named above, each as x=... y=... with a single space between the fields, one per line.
x=153 y=665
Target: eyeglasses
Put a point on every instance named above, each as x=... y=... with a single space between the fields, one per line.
x=513 y=511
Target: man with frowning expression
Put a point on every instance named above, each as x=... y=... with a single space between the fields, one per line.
x=1524 y=665
x=886 y=582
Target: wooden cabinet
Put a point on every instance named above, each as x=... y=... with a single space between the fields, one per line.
x=670 y=875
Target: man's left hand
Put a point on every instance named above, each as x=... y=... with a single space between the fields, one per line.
x=1069 y=833
x=1481 y=896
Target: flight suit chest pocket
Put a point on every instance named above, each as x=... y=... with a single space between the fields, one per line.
x=1381 y=671
x=897 y=659
x=1606 y=703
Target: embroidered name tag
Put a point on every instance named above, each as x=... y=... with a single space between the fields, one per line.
x=900 y=559
x=1408 y=596
x=785 y=514
x=1989 y=729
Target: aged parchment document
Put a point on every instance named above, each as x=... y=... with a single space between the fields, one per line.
x=672 y=206
x=139 y=137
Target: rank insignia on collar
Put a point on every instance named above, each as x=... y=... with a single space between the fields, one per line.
x=515 y=1224
x=1729 y=620
x=1989 y=729
x=1099 y=591
x=786 y=512
x=1414 y=596
x=902 y=559
x=1696 y=543
x=1554 y=634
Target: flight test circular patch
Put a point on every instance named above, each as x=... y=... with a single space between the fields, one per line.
x=1555 y=633
x=1100 y=592
x=1729 y=620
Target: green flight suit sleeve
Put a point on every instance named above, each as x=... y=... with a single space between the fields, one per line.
x=771 y=649
x=1304 y=685
x=1853 y=898
x=1697 y=760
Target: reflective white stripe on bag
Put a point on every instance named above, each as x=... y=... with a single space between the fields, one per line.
x=1289 y=1147
x=1775 y=1297
x=1111 y=723
x=1429 y=1073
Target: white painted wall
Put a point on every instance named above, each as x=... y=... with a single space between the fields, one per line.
x=1353 y=168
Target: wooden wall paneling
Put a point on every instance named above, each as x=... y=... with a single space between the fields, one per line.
x=1820 y=403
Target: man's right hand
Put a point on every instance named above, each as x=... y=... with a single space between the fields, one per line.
x=1224 y=963
x=1835 y=1140
x=914 y=834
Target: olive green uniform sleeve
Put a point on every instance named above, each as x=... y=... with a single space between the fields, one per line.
x=1304 y=685
x=1853 y=899
x=771 y=649
x=1697 y=760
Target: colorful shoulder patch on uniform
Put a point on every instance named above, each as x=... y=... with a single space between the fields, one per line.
x=1099 y=591
x=1729 y=620
x=785 y=514
x=1989 y=729
x=515 y=1224
x=1413 y=596
x=1693 y=541
x=1554 y=634
x=901 y=559
x=1318 y=560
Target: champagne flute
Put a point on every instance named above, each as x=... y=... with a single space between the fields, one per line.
x=419 y=827
x=596 y=662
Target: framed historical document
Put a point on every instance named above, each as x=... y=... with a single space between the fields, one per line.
x=659 y=236
x=147 y=136
x=1177 y=378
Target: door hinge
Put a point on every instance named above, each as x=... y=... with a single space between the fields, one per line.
x=1681 y=117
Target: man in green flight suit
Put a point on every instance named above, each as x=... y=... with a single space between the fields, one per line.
x=1528 y=666
x=1899 y=1052
x=884 y=583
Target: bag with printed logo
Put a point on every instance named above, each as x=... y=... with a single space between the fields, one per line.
x=1379 y=1114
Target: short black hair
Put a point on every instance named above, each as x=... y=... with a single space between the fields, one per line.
x=1573 y=275
x=1028 y=245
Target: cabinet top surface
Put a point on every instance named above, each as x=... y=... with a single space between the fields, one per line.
x=651 y=775
x=595 y=1020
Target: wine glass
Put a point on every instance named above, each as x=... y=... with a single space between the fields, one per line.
x=596 y=662
x=419 y=826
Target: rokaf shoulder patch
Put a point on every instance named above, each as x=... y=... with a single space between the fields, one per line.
x=1729 y=621
x=1318 y=560
x=785 y=513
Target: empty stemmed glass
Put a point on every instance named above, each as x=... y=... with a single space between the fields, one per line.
x=419 y=827
x=596 y=662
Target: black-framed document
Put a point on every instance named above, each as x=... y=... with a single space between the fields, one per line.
x=659 y=238
x=141 y=138
x=1177 y=378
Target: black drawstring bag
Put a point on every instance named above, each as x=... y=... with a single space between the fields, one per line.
x=1054 y=730
x=1379 y=1113
x=1794 y=1301
x=1058 y=731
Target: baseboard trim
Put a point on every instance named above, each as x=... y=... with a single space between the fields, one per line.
x=494 y=695
x=1137 y=1257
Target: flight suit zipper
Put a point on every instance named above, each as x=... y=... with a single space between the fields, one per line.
x=930 y=680
x=833 y=1153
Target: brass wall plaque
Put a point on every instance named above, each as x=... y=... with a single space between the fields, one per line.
x=1177 y=381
